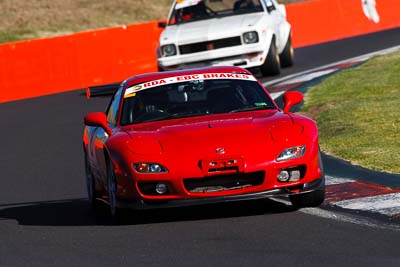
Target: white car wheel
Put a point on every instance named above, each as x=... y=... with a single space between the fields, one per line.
x=287 y=55
x=272 y=63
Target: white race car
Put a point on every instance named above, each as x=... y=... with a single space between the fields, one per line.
x=245 y=33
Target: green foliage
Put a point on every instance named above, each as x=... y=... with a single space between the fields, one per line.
x=357 y=111
x=6 y=36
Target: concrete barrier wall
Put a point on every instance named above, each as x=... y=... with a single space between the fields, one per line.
x=327 y=20
x=52 y=65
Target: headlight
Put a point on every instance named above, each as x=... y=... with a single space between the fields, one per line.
x=146 y=167
x=168 y=50
x=250 y=37
x=292 y=153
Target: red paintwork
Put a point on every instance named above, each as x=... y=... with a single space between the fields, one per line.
x=253 y=138
x=291 y=99
x=98 y=119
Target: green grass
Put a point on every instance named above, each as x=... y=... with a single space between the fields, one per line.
x=358 y=113
x=12 y=36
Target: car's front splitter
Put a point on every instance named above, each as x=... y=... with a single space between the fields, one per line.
x=281 y=192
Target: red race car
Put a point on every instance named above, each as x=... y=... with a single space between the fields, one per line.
x=200 y=136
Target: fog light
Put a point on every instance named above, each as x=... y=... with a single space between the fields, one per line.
x=294 y=175
x=283 y=176
x=161 y=188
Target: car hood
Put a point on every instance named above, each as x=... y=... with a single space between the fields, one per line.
x=210 y=29
x=239 y=135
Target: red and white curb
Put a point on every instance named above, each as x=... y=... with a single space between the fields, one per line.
x=356 y=195
x=277 y=90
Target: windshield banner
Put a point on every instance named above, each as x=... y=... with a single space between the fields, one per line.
x=193 y=77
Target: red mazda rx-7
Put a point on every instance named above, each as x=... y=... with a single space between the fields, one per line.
x=200 y=136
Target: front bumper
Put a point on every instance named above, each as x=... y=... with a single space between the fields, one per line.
x=245 y=56
x=281 y=192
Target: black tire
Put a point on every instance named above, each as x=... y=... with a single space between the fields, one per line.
x=159 y=69
x=287 y=55
x=312 y=199
x=272 y=63
x=115 y=212
x=91 y=187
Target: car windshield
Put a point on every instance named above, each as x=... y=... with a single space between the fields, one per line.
x=194 y=10
x=166 y=100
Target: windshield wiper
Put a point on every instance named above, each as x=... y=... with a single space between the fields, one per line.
x=251 y=109
x=166 y=116
x=185 y=115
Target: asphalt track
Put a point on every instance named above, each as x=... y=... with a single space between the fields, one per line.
x=45 y=220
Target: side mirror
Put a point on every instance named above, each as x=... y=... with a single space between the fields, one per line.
x=270 y=9
x=162 y=24
x=291 y=99
x=98 y=119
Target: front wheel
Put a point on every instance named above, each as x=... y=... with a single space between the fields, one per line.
x=287 y=55
x=271 y=65
x=91 y=186
x=314 y=198
x=112 y=191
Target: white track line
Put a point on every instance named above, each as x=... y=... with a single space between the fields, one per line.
x=354 y=219
x=276 y=95
x=301 y=79
x=388 y=204
x=308 y=77
x=330 y=180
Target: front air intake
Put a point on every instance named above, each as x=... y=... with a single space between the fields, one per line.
x=224 y=182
